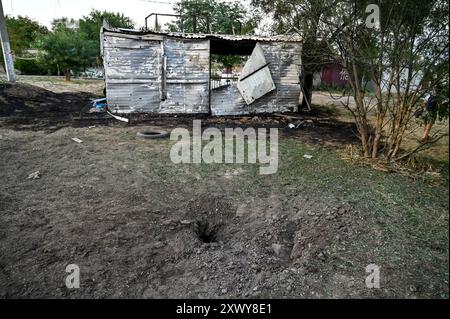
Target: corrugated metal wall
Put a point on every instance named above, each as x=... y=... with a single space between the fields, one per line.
x=132 y=73
x=284 y=60
x=187 y=76
x=135 y=78
x=137 y=82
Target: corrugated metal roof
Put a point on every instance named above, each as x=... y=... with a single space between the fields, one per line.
x=276 y=38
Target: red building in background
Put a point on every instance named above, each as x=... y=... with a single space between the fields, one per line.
x=334 y=75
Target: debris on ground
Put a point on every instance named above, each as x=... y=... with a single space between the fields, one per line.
x=308 y=156
x=100 y=103
x=30 y=107
x=119 y=118
x=296 y=125
x=75 y=139
x=98 y=106
x=152 y=134
x=34 y=175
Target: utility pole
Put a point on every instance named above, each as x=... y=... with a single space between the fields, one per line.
x=9 y=64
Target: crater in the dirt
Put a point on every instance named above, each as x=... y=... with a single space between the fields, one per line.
x=207 y=232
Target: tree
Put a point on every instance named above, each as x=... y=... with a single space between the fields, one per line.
x=408 y=46
x=304 y=17
x=67 y=48
x=211 y=16
x=91 y=24
x=22 y=32
x=64 y=23
x=208 y=16
x=398 y=56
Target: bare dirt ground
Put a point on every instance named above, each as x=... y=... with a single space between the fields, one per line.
x=136 y=232
x=140 y=226
x=59 y=85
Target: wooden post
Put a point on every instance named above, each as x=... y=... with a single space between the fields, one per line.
x=9 y=64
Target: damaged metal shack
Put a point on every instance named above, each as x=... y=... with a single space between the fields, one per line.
x=152 y=72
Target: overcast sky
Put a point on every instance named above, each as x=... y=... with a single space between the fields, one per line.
x=44 y=11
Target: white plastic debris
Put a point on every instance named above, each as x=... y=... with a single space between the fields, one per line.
x=34 y=175
x=77 y=140
x=308 y=156
x=119 y=118
x=292 y=126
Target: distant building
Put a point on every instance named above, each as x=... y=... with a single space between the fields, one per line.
x=332 y=75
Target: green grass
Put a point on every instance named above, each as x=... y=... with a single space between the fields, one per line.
x=417 y=205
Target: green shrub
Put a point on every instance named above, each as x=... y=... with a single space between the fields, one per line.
x=30 y=67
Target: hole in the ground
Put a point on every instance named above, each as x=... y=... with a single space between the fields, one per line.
x=206 y=232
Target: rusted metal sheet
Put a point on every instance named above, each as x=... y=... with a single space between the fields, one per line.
x=255 y=80
x=284 y=63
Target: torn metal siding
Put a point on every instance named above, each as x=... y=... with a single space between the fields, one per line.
x=187 y=76
x=162 y=75
x=284 y=60
x=228 y=37
x=255 y=80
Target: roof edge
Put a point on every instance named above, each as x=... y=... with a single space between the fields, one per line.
x=275 y=38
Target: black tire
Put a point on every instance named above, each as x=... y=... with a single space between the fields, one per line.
x=152 y=134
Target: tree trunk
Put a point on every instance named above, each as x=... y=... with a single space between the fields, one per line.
x=67 y=74
x=307 y=89
x=365 y=140
x=379 y=121
x=364 y=128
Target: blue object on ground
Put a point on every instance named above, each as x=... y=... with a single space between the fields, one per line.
x=99 y=103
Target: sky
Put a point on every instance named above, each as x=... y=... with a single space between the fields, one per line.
x=44 y=11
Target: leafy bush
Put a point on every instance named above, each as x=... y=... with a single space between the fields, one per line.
x=30 y=67
x=67 y=48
